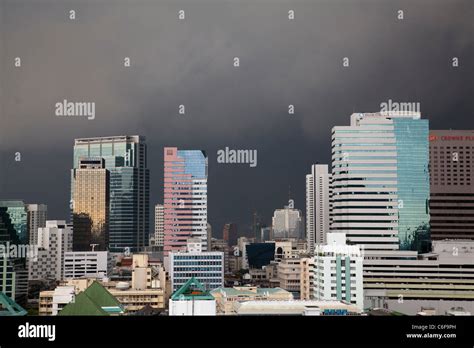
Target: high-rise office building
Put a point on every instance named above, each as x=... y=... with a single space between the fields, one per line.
x=54 y=241
x=256 y=226
x=91 y=194
x=126 y=160
x=230 y=234
x=185 y=197
x=159 y=225
x=18 y=215
x=37 y=215
x=452 y=184
x=14 y=233
x=266 y=234
x=317 y=205
x=13 y=270
x=380 y=181
x=287 y=222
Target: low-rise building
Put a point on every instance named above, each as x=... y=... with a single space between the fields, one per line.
x=226 y=297
x=87 y=264
x=134 y=300
x=307 y=278
x=205 y=266
x=441 y=279
x=289 y=275
x=338 y=270
x=326 y=308
x=146 y=289
x=95 y=300
x=52 y=302
x=192 y=299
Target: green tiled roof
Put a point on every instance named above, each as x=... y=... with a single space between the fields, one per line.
x=8 y=307
x=82 y=305
x=95 y=300
x=192 y=290
x=101 y=296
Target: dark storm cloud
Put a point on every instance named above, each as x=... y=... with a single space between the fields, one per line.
x=190 y=62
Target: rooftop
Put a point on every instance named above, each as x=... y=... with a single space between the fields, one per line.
x=291 y=307
x=95 y=300
x=192 y=290
x=243 y=290
x=10 y=308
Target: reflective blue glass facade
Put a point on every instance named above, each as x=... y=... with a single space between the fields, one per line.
x=195 y=163
x=13 y=271
x=18 y=215
x=126 y=159
x=413 y=183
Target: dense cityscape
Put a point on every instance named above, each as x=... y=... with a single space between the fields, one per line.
x=387 y=229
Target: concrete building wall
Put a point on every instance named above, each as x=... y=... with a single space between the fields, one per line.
x=197 y=307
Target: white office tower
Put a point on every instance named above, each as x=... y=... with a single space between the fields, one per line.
x=54 y=241
x=37 y=215
x=206 y=266
x=380 y=183
x=87 y=264
x=159 y=225
x=317 y=205
x=287 y=222
x=338 y=271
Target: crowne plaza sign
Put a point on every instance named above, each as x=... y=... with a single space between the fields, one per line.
x=451 y=137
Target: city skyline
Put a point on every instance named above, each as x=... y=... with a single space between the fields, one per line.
x=194 y=164
x=242 y=108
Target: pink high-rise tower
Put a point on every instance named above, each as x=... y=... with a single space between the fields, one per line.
x=185 y=198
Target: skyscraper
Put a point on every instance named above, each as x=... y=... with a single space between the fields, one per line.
x=54 y=240
x=287 y=222
x=317 y=205
x=126 y=160
x=185 y=197
x=37 y=215
x=13 y=269
x=18 y=216
x=159 y=225
x=91 y=195
x=230 y=234
x=380 y=181
x=452 y=184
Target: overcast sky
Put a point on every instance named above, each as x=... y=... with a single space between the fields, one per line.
x=190 y=62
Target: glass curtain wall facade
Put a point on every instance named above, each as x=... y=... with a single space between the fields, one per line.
x=380 y=182
x=91 y=205
x=18 y=214
x=413 y=183
x=126 y=160
x=13 y=270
